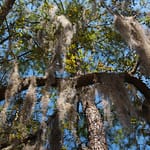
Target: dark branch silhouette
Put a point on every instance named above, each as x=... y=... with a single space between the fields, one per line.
x=85 y=80
x=4 y=10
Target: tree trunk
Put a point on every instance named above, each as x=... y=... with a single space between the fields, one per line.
x=97 y=140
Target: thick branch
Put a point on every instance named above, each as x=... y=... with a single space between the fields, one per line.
x=90 y=79
x=23 y=86
x=5 y=10
x=96 y=136
x=138 y=84
x=85 y=80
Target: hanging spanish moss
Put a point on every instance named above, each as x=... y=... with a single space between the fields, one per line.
x=67 y=102
x=13 y=83
x=112 y=87
x=12 y=89
x=29 y=147
x=45 y=99
x=29 y=102
x=44 y=102
x=134 y=34
x=107 y=106
x=64 y=35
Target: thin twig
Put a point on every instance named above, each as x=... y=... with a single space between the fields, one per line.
x=109 y=9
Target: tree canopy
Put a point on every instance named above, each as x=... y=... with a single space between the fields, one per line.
x=74 y=74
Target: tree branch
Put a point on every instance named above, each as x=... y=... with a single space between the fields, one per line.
x=5 y=39
x=90 y=79
x=84 y=80
x=5 y=10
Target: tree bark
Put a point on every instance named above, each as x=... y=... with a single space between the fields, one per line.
x=97 y=138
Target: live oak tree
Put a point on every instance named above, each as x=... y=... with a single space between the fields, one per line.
x=72 y=71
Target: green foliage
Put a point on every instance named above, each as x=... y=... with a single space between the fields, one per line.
x=33 y=35
x=147 y=21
